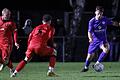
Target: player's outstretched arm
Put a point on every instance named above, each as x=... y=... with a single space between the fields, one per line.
x=115 y=23
x=119 y=24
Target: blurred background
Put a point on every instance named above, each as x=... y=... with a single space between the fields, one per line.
x=70 y=18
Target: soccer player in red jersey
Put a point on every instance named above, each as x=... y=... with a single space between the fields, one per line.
x=7 y=29
x=37 y=44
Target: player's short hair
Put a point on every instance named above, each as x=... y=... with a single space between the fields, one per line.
x=100 y=8
x=6 y=10
x=47 y=17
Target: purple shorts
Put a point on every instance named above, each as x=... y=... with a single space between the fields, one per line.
x=94 y=46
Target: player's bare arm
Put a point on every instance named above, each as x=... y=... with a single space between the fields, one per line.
x=15 y=39
x=115 y=23
x=90 y=37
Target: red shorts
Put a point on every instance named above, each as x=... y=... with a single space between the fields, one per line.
x=41 y=51
x=5 y=51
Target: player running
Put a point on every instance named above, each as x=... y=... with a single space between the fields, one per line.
x=37 y=44
x=7 y=29
x=97 y=36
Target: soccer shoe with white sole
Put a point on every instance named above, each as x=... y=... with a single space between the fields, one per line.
x=13 y=75
x=11 y=71
x=2 y=67
x=51 y=74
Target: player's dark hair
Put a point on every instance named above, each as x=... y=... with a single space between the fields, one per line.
x=100 y=8
x=47 y=17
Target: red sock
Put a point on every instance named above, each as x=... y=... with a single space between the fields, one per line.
x=10 y=65
x=52 y=61
x=20 y=66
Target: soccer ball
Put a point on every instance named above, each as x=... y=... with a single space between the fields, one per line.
x=99 y=67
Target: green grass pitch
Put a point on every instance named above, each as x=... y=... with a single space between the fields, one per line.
x=66 y=71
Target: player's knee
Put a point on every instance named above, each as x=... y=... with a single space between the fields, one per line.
x=88 y=56
x=105 y=50
x=27 y=59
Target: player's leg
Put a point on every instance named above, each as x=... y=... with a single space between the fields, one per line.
x=52 y=64
x=52 y=53
x=91 y=51
x=1 y=64
x=10 y=65
x=87 y=62
x=105 y=50
x=1 y=61
x=6 y=51
x=5 y=58
x=22 y=64
x=1 y=57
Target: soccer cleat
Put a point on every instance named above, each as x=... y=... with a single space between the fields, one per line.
x=51 y=74
x=84 y=70
x=13 y=75
x=11 y=71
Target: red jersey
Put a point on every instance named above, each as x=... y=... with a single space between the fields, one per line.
x=41 y=34
x=6 y=30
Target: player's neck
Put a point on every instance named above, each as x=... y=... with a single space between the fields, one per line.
x=98 y=18
x=46 y=23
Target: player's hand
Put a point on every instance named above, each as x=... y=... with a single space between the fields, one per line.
x=17 y=45
x=115 y=23
x=90 y=40
x=119 y=24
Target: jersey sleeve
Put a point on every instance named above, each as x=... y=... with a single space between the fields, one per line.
x=90 y=26
x=109 y=21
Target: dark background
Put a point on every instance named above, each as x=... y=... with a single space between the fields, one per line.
x=34 y=10
x=57 y=5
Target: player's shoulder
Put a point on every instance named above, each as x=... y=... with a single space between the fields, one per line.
x=12 y=22
x=104 y=17
x=92 y=19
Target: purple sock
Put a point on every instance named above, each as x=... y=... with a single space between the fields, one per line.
x=101 y=57
x=87 y=63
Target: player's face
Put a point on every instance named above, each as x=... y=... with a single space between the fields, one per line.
x=6 y=15
x=98 y=14
x=28 y=23
x=49 y=22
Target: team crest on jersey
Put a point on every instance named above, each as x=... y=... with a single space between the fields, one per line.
x=99 y=27
x=103 y=22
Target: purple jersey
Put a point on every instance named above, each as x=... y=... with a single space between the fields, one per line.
x=98 y=28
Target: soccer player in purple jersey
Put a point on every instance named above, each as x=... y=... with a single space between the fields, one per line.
x=97 y=36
